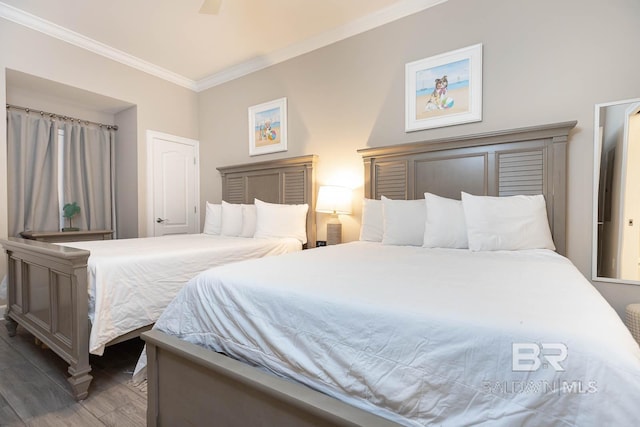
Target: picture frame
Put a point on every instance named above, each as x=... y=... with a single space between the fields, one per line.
x=444 y=90
x=268 y=127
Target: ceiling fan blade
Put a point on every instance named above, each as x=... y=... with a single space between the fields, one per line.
x=210 y=7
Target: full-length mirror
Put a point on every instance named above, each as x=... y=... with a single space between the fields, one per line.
x=616 y=233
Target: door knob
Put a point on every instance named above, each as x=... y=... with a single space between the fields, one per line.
x=160 y=220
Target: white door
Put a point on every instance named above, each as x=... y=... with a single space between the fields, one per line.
x=173 y=191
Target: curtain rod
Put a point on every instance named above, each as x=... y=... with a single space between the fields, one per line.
x=58 y=116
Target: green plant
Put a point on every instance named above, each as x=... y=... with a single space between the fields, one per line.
x=69 y=211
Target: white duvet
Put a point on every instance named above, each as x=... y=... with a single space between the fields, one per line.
x=131 y=281
x=423 y=336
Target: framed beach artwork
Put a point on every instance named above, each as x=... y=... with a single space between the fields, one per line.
x=268 y=127
x=444 y=90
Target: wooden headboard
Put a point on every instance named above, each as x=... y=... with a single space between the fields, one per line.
x=287 y=181
x=528 y=161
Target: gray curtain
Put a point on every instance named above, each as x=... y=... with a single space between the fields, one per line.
x=88 y=175
x=32 y=147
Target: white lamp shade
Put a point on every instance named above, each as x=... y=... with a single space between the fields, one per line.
x=334 y=200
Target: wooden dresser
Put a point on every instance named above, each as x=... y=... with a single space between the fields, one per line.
x=67 y=236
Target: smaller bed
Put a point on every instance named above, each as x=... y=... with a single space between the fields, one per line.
x=79 y=297
x=131 y=281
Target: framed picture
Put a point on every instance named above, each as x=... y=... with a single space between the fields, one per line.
x=444 y=90
x=268 y=127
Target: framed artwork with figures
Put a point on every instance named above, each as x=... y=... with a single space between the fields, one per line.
x=268 y=127
x=444 y=90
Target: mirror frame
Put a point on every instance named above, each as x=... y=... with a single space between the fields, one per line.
x=597 y=154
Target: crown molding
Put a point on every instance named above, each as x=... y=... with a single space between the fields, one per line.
x=36 y=23
x=373 y=20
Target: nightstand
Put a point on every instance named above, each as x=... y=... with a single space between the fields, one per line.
x=67 y=236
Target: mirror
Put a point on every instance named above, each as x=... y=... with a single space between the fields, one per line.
x=616 y=234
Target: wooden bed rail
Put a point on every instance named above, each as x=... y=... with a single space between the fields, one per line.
x=47 y=295
x=191 y=385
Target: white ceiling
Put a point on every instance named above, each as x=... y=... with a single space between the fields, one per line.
x=170 y=39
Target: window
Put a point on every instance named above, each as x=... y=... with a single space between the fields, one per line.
x=60 y=175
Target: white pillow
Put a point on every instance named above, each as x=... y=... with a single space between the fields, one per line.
x=231 y=219
x=212 y=218
x=248 y=221
x=445 y=226
x=506 y=223
x=372 y=227
x=276 y=220
x=403 y=222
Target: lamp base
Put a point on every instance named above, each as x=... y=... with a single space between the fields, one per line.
x=334 y=232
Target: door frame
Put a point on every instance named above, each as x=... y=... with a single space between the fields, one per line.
x=151 y=135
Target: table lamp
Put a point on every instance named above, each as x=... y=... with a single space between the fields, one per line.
x=334 y=200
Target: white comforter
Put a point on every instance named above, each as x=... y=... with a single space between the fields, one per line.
x=422 y=336
x=131 y=281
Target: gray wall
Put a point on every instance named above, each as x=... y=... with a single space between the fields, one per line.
x=544 y=61
x=126 y=188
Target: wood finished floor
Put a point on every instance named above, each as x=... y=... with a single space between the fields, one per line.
x=34 y=389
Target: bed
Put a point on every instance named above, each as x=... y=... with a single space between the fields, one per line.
x=131 y=281
x=461 y=337
x=79 y=297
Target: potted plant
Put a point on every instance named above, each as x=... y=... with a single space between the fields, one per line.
x=69 y=211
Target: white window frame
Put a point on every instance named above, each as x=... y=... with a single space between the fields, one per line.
x=61 y=176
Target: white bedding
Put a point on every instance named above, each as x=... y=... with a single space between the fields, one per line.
x=421 y=336
x=131 y=281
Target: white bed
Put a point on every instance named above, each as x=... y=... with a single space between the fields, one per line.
x=132 y=280
x=421 y=336
x=48 y=284
x=417 y=335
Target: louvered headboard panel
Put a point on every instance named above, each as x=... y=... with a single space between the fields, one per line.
x=287 y=181
x=392 y=179
x=521 y=172
x=520 y=161
x=294 y=188
x=235 y=189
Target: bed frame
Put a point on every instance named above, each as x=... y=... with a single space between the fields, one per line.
x=189 y=385
x=525 y=161
x=47 y=283
x=287 y=181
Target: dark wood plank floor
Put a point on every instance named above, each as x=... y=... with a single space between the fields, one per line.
x=34 y=389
